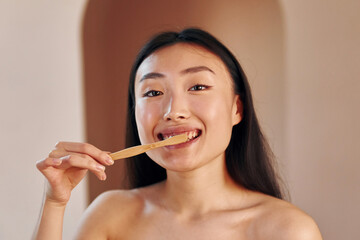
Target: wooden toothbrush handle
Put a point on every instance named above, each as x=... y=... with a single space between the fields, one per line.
x=133 y=151
x=130 y=152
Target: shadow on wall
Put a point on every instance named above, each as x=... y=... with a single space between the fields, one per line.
x=114 y=31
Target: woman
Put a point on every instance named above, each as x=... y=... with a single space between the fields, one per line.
x=218 y=185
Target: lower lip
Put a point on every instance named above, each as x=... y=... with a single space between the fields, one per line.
x=182 y=145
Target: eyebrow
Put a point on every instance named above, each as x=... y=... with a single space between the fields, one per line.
x=154 y=75
x=196 y=69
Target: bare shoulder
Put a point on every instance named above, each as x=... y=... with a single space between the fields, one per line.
x=278 y=219
x=111 y=212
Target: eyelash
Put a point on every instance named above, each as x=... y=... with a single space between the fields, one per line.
x=152 y=93
x=197 y=87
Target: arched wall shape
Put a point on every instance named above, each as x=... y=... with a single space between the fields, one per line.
x=113 y=32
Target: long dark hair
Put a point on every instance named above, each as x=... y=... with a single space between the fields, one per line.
x=249 y=159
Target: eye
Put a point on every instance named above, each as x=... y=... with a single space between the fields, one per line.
x=152 y=93
x=199 y=87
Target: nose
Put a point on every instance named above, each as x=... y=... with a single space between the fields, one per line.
x=176 y=109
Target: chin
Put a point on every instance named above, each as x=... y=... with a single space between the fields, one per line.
x=176 y=164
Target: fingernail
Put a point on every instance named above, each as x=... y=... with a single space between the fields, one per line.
x=100 y=167
x=65 y=157
x=103 y=177
x=109 y=160
x=57 y=161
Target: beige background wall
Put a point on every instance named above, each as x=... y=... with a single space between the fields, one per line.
x=302 y=59
x=40 y=104
x=322 y=140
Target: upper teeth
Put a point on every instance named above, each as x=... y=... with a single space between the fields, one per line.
x=190 y=135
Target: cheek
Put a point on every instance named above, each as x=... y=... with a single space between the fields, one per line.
x=215 y=113
x=146 y=116
x=213 y=110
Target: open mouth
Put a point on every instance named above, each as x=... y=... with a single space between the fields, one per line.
x=190 y=134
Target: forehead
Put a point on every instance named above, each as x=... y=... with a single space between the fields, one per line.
x=178 y=57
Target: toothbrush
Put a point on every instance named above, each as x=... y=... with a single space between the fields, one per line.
x=133 y=151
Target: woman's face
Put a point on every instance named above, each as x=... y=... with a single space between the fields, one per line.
x=185 y=88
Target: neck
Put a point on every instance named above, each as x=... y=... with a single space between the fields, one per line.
x=201 y=191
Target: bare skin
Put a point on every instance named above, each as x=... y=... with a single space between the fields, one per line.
x=147 y=215
x=181 y=88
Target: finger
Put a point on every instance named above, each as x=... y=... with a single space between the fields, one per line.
x=48 y=162
x=86 y=148
x=72 y=161
x=83 y=161
x=77 y=161
x=58 y=153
